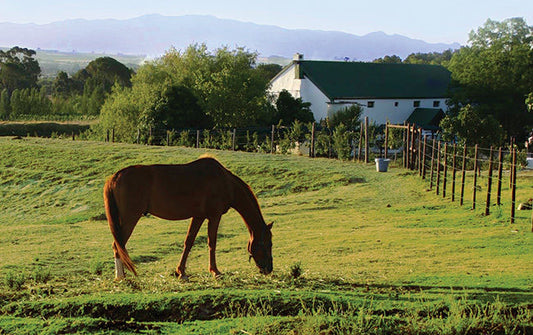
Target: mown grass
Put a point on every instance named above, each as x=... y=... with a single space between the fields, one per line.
x=355 y=251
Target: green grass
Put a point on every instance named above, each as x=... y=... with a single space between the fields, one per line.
x=355 y=251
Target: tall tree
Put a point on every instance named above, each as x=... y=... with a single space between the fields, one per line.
x=495 y=73
x=18 y=69
x=290 y=109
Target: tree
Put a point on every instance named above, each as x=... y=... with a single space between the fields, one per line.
x=471 y=127
x=349 y=116
x=177 y=108
x=290 y=109
x=494 y=73
x=432 y=58
x=5 y=108
x=18 y=69
x=388 y=59
x=268 y=71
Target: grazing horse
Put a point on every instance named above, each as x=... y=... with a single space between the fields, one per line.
x=202 y=189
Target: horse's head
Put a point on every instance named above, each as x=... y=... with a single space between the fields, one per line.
x=260 y=249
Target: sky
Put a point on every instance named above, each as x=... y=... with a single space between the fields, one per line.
x=444 y=21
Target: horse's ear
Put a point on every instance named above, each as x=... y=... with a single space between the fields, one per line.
x=270 y=225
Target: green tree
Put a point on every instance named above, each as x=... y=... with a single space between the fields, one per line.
x=268 y=71
x=18 y=69
x=290 y=109
x=5 y=107
x=349 y=116
x=494 y=73
x=431 y=58
x=471 y=127
x=388 y=59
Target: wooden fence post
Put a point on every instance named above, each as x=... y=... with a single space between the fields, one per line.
x=500 y=171
x=233 y=139
x=424 y=158
x=360 y=151
x=405 y=144
x=474 y=189
x=386 y=139
x=454 y=170
x=197 y=138
x=419 y=162
x=489 y=185
x=432 y=165
x=113 y=135
x=367 y=146
x=138 y=136
x=463 y=175
x=445 y=172
x=107 y=136
x=513 y=185
x=272 y=139
x=438 y=168
x=312 y=151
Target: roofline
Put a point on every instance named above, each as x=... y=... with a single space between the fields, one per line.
x=280 y=73
x=383 y=98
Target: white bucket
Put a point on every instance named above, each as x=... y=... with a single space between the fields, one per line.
x=382 y=164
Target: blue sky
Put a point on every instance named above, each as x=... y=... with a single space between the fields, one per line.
x=433 y=21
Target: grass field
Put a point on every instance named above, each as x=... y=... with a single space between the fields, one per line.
x=355 y=251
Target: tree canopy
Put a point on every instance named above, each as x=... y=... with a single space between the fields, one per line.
x=18 y=69
x=494 y=73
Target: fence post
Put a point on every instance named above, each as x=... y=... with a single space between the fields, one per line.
x=405 y=144
x=367 y=146
x=438 y=168
x=445 y=172
x=424 y=158
x=463 y=177
x=420 y=152
x=513 y=185
x=107 y=136
x=500 y=171
x=312 y=152
x=360 y=151
x=138 y=135
x=489 y=185
x=386 y=139
x=233 y=139
x=113 y=135
x=454 y=170
x=272 y=139
x=474 y=189
x=432 y=165
x=168 y=138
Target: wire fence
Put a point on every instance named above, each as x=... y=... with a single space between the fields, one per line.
x=448 y=168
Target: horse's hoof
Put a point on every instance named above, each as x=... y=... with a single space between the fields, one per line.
x=119 y=279
x=183 y=277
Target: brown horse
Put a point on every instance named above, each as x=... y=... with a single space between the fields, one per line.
x=202 y=189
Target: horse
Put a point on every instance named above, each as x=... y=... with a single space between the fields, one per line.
x=202 y=189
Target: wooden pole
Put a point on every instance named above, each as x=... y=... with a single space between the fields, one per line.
x=138 y=136
x=419 y=161
x=438 y=168
x=360 y=149
x=386 y=139
x=168 y=138
x=513 y=186
x=233 y=139
x=454 y=170
x=424 y=158
x=367 y=146
x=463 y=176
x=272 y=139
x=445 y=172
x=198 y=138
x=312 y=152
x=405 y=144
x=113 y=135
x=500 y=171
x=489 y=185
x=474 y=189
x=432 y=165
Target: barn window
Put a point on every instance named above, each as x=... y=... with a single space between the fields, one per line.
x=396 y=104
x=416 y=103
x=370 y=104
x=436 y=103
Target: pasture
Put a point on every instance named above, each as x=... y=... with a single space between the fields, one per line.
x=355 y=251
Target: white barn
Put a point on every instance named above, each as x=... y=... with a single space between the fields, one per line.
x=387 y=92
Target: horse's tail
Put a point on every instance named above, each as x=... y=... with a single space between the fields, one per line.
x=113 y=219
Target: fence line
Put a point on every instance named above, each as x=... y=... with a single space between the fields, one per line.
x=435 y=156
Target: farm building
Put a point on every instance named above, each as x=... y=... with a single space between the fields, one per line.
x=393 y=92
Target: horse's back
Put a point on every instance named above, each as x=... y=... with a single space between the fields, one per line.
x=176 y=191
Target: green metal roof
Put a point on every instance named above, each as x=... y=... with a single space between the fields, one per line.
x=338 y=80
x=427 y=118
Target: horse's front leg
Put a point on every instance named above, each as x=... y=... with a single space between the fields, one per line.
x=194 y=227
x=212 y=230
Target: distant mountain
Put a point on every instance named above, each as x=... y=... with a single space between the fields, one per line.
x=154 y=34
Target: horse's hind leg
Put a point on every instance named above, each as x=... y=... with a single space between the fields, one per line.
x=194 y=227
x=212 y=230
x=127 y=225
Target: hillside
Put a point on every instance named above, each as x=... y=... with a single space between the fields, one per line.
x=153 y=34
x=355 y=251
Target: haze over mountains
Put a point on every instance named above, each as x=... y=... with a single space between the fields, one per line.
x=152 y=35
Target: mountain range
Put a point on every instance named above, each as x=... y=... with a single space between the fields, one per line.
x=152 y=35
